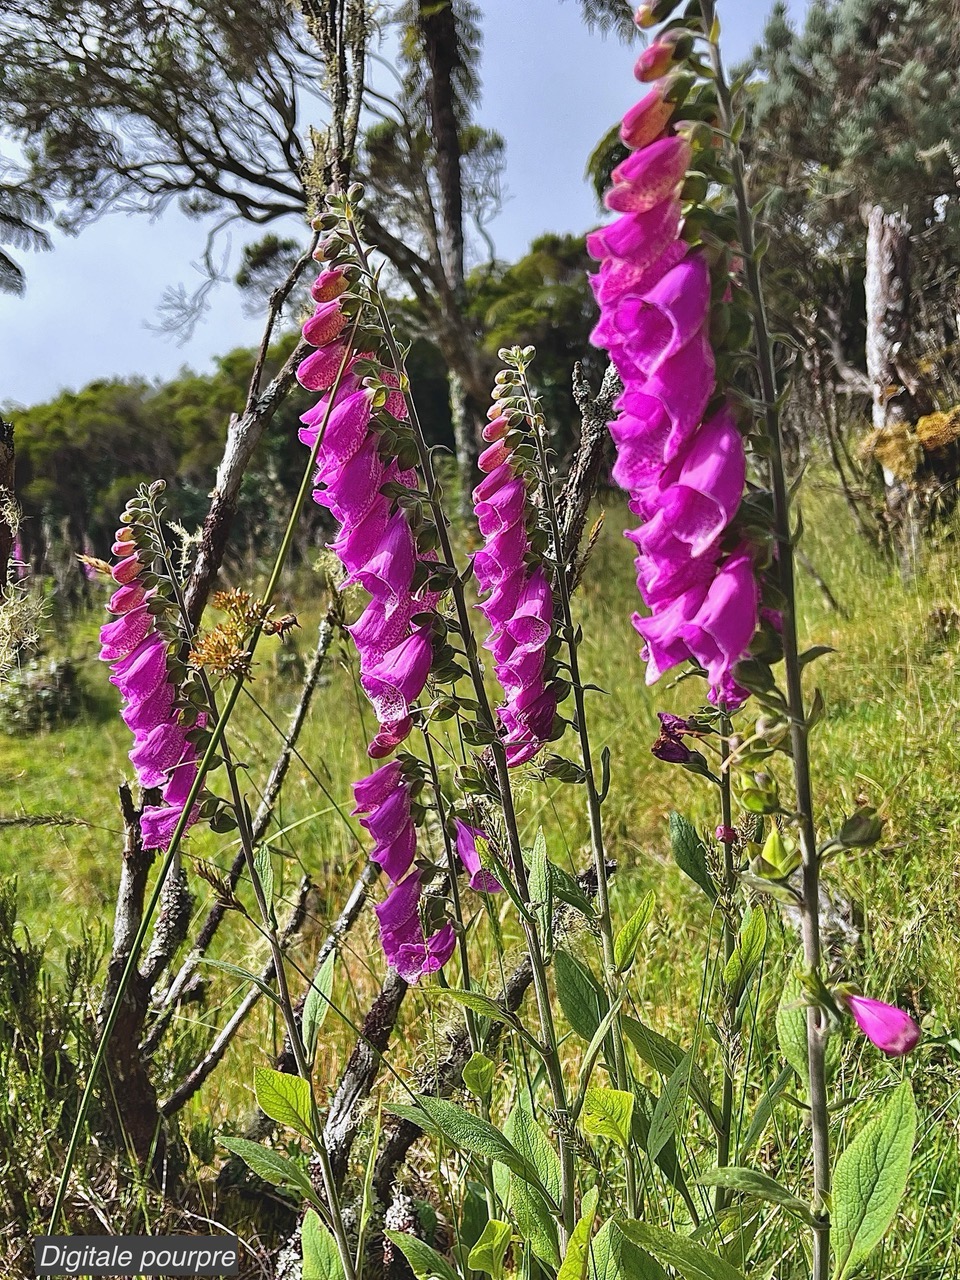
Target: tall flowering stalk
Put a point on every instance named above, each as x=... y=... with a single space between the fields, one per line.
x=518 y=604
x=137 y=646
x=680 y=452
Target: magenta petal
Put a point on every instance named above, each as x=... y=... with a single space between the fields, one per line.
x=158 y=823
x=140 y=672
x=155 y=755
x=889 y=1028
x=665 y=319
x=649 y=175
x=480 y=879
x=719 y=634
x=319 y=370
x=396 y=855
x=372 y=790
x=387 y=575
x=325 y=324
x=381 y=626
x=639 y=237
x=119 y=639
x=389 y=738
x=395 y=682
x=142 y=713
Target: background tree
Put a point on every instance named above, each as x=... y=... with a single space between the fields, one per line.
x=860 y=111
x=543 y=299
x=20 y=211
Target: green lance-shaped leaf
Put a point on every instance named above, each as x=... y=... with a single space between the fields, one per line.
x=478 y=1075
x=468 y=1132
x=530 y=1210
x=628 y=938
x=690 y=854
x=665 y=1056
x=321 y=1260
x=613 y=1256
x=270 y=1165
x=748 y=953
x=488 y=1253
x=607 y=1113
x=533 y=1144
x=751 y=1182
x=870 y=1179
x=668 y=1112
x=540 y=885
x=689 y=1259
x=425 y=1263
x=577 y=1258
x=317 y=1004
x=566 y=889
x=762 y=1115
x=263 y=865
x=581 y=997
x=284 y=1098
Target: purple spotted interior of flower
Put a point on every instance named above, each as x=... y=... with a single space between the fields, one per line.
x=137 y=654
x=680 y=454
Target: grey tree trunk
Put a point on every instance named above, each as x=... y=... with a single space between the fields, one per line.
x=887 y=287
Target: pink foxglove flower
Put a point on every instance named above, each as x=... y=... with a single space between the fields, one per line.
x=518 y=603
x=479 y=878
x=374 y=539
x=137 y=654
x=680 y=454
x=407 y=948
x=884 y=1025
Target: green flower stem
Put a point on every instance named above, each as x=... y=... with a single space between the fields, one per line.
x=549 y=1049
x=725 y=1134
x=799 y=730
x=469 y=1016
x=570 y=635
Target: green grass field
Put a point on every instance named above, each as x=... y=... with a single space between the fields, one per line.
x=889 y=738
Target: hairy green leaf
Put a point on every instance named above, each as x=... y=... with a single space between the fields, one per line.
x=753 y=1183
x=321 y=1260
x=628 y=938
x=425 y=1263
x=688 y=1258
x=607 y=1113
x=870 y=1179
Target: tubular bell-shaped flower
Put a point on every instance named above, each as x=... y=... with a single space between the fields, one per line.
x=680 y=453
x=137 y=653
x=519 y=600
x=375 y=541
x=886 y=1026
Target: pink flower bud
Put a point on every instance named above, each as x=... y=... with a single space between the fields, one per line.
x=328 y=285
x=889 y=1028
x=658 y=58
x=496 y=429
x=646 y=121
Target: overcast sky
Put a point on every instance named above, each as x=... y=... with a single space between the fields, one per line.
x=550 y=87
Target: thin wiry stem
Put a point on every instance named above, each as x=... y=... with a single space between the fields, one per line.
x=799 y=729
x=571 y=637
x=549 y=1047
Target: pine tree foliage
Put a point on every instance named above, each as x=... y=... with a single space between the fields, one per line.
x=20 y=211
